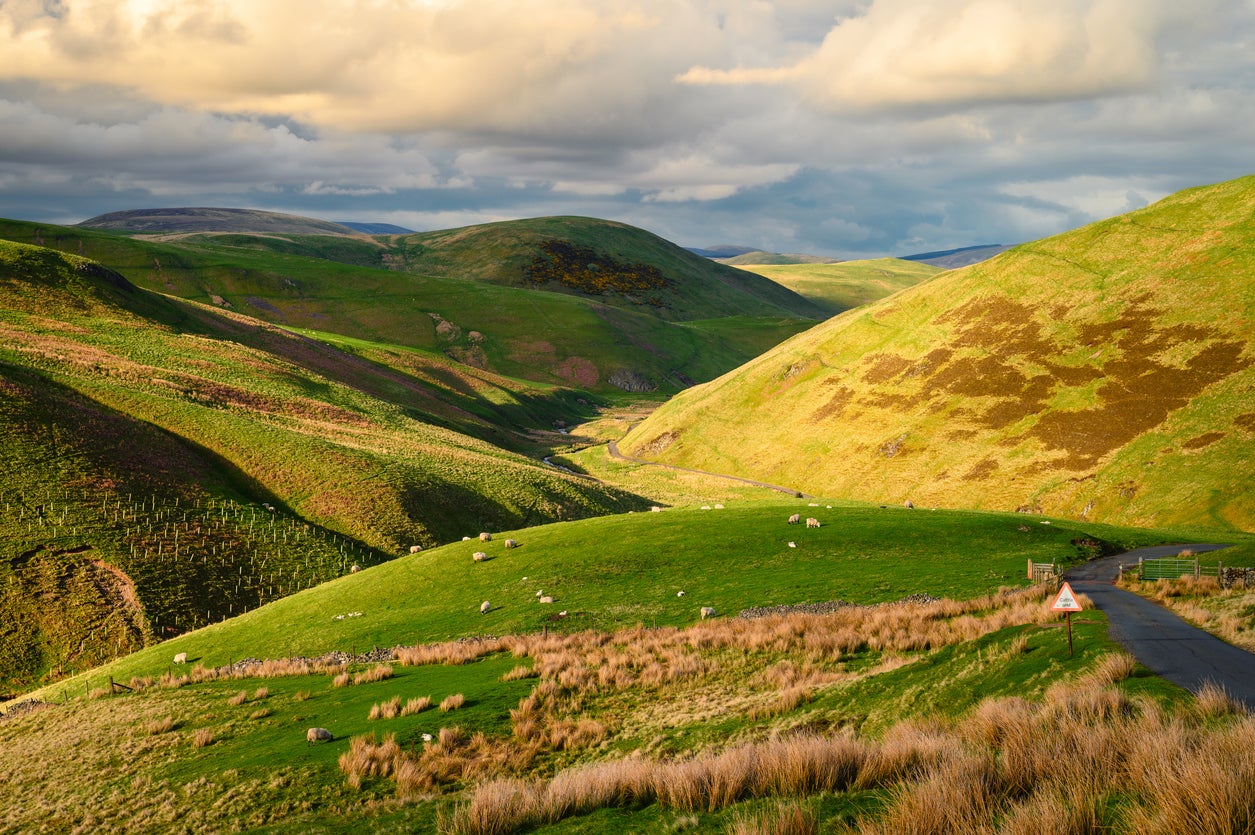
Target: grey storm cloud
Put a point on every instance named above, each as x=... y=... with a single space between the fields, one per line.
x=842 y=128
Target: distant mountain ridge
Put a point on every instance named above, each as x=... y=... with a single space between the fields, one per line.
x=952 y=259
x=1107 y=373
x=194 y=220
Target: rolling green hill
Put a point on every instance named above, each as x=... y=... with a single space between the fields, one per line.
x=145 y=436
x=179 y=221
x=367 y=289
x=848 y=284
x=1105 y=373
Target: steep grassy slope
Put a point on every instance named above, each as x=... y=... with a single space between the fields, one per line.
x=339 y=285
x=613 y=262
x=1105 y=374
x=143 y=435
x=839 y=287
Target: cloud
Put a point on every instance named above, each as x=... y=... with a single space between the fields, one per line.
x=930 y=53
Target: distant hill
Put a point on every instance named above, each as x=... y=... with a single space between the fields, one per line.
x=376 y=228
x=760 y=257
x=1106 y=374
x=492 y=298
x=199 y=220
x=724 y=251
x=616 y=264
x=162 y=459
x=842 y=285
x=952 y=259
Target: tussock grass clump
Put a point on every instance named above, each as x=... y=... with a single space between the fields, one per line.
x=386 y=710
x=452 y=702
x=368 y=758
x=202 y=737
x=239 y=698
x=783 y=819
x=379 y=672
x=162 y=725
x=342 y=680
x=300 y=696
x=1212 y=700
x=520 y=672
x=260 y=693
x=449 y=652
x=416 y=705
x=260 y=713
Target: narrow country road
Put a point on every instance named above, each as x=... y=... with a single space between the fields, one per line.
x=1169 y=646
x=613 y=449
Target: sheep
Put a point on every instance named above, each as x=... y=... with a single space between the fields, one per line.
x=181 y=658
x=485 y=537
x=655 y=509
x=910 y=505
x=354 y=568
x=812 y=522
x=484 y=607
x=680 y=593
x=479 y=556
x=414 y=549
x=318 y=735
x=795 y=518
x=546 y=599
x=707 y=612
x=510 y=543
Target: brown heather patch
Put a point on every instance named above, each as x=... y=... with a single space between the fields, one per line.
x=1245 y=422
x=1204 y=440
x=981 y=470
x=884 y=367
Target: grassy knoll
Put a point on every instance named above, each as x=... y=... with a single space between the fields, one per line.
x=628 y=569
x=515 y=327
x=848 y=284
x=1105 y=373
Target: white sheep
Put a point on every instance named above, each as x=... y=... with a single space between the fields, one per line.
x=708 y=612
x=795 y=518
x=910 y=505
x=812 y=522
x=680 y=593
x=479 y=556
x=546 y=599
x=485 y=537
x=510 y=543
x=318 y=735
x=181 y=658
x=484 y=607
x=414 y=549
x=655 y=509
x=354 y=568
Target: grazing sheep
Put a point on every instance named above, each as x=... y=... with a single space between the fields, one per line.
x=510 y=543
x=718 y=507
x=181 y=658
x=546 y=599
x=484 y=607
x=909 y=504
x=539 y=593
x=655 y=509
x=354 y=568
x=466 y=539
x=792 y=544
x=414 y=549
x=479 y=556
x=812 y=522
x=680 y=593
x=707 y=612
x=485 y=537
x=318 y=735
x=795 y=518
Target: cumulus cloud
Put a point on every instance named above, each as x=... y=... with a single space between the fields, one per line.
x=909 y=53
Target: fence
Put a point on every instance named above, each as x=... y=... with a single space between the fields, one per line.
x=1042 y=572
x=1170 y=568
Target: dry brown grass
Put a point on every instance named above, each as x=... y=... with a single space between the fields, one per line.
x=449 y=652
x=416 y=705
x=452 y=702
x=783 y=819
x=342 y=680
x=238 y=699
x=202 y=737
x=379 y=672
x=162 y=725
x=261 y=693
x=1212 y=700
x=390 y=709
x=260 y=713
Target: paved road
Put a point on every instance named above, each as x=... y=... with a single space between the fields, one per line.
x=1169 y=646
x=613 y=449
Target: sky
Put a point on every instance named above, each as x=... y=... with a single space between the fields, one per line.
x=849 y=128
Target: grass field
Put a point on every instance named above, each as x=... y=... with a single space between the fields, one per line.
x=848 y=284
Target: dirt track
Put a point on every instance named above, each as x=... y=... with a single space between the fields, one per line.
x=1169 y=646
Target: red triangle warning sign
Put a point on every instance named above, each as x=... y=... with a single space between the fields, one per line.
x=1066 y=601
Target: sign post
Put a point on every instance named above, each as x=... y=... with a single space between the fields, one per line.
x=1066 y=603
